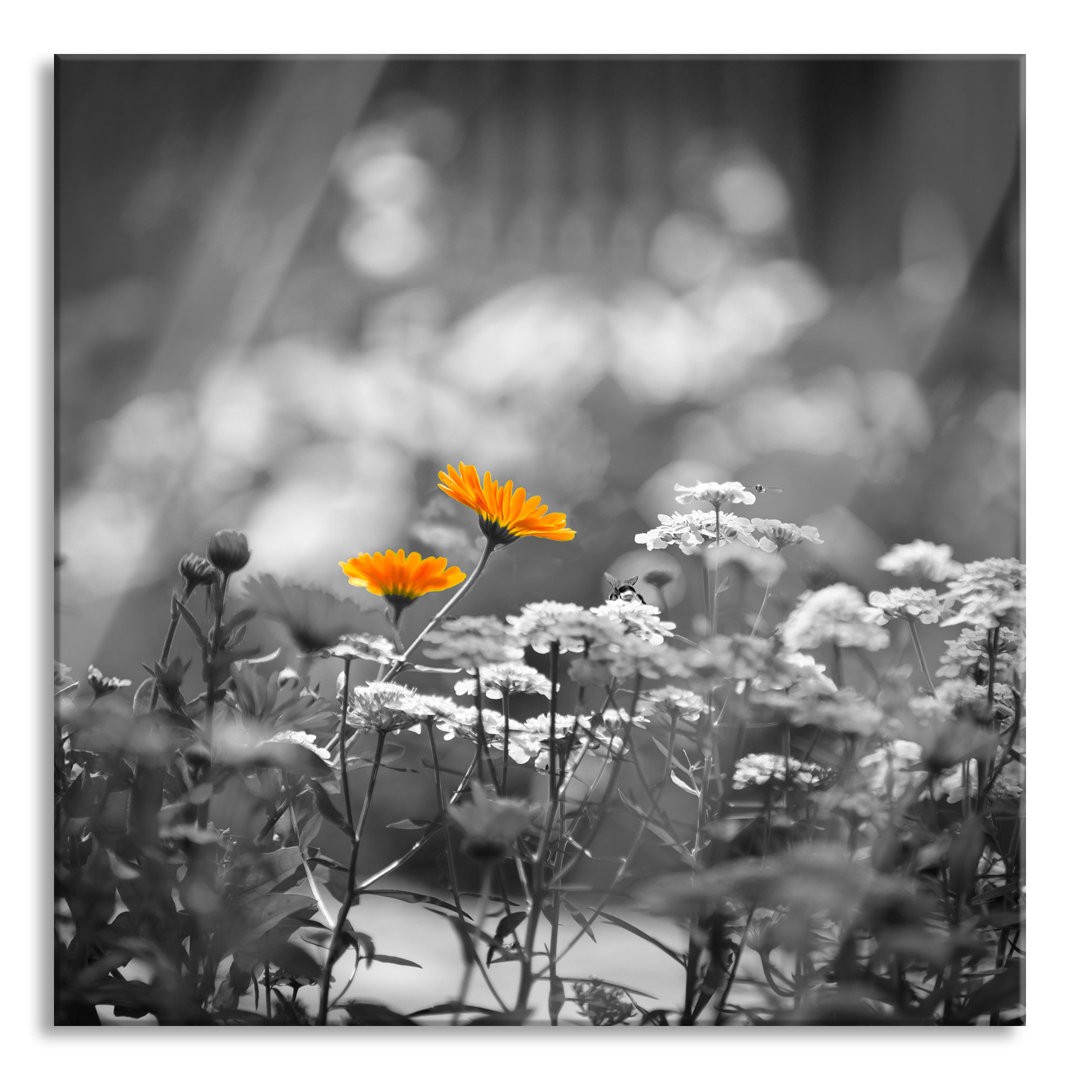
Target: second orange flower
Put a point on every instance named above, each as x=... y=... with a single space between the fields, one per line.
x=505 y=514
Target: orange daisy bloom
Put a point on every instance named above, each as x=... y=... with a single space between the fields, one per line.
x=505 y=514
x=401 y=578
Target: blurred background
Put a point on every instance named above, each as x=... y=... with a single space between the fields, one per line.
x=290 y=291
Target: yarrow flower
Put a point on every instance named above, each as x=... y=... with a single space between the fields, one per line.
x=459 y=721
x=923 y=604
x=777 y=535
x=696 y=529
x=967 y=656
x=736 y=657
x=836 y=614
x=628 y=658
x=471 y=641
x=672 y=704
x=400 y=579
x=844 y=711
x=891 y=770
x=387 y=707
x=921 y=558
x=512 y=677
x=641 y=620
x=795 y=670
x=571 y=627
x=761 y=770
x=505 y=514
x=989 y=593
x=372 y=647
x=717 y=494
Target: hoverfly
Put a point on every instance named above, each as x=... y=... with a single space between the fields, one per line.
x=623 y=590
x=761 y=489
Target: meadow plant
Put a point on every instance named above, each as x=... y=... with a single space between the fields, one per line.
x=828 y=836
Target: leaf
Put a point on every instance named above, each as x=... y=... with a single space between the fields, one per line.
x=326 y=807
x=409 y=823
x=408 y=897
x=140 y=703
x=370 y=1014
x=449 y=1007
x=382 y=958
x=193 y=623
x=262 y=914
x=629 y=927
x=579 y=918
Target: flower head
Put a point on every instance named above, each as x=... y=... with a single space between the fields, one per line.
x=472 y=641
x=401 y=578
x=762 y=770
x=642 y=620
x=372 y=647
x=491 y=825
x=103 y=684
x=228 y=550
x=989 y=593
x=629 y=657
x=571 y=627
x=512 y=677
x=196 y=571
x=695 y=530
x=967 y=656
x=923 y=604
x=505 y=514
x=385 y=707
x=836 y=614
x=717 y=494
x=459 y=721
x=921 y=558
x=781 y=534
x=312 y=618
x=672 y=704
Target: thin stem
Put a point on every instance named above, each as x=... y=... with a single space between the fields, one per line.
x=838 y=665
x=350 y=889
x=469 y=582
x=203 y=814
x=506 y=738
x=922 y=658
x=761 y=610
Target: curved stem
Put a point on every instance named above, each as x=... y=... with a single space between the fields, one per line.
x=469 y=582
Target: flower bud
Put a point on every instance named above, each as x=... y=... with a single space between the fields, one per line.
x=196 y=571
x=228 y=550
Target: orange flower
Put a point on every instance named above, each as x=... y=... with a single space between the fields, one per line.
x=401 y=578
x=505 y=514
